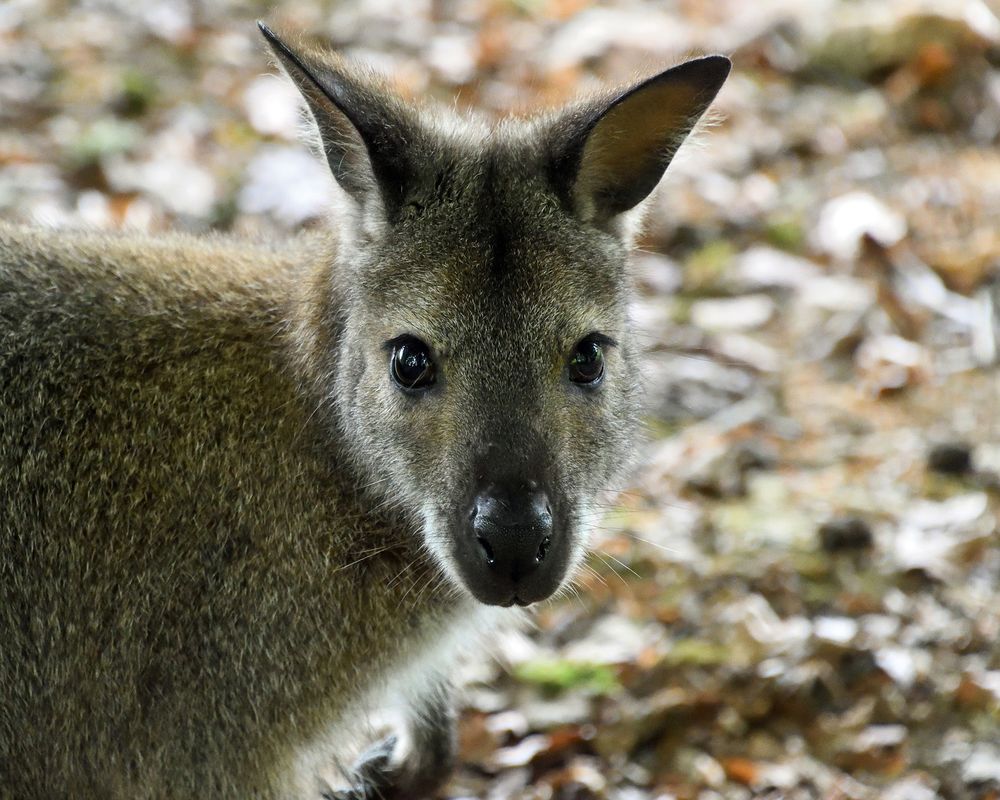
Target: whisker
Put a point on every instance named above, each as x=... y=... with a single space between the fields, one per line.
x=590 y=572
x=322 y=402
x=664 y=548
x=623 y=564
x=399 y=575
x=610 y=567
x=370 y=554
x=417 y=582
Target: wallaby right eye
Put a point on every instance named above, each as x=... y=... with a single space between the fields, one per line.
x=411 y=366
x=586 y=363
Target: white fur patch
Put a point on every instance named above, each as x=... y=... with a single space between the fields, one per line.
x=389 y=704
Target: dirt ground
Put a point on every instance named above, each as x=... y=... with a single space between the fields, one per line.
x=797 y=593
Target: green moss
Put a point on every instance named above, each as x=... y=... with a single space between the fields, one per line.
x=811 y=565
x=529 y=7
x=661 y=428
x=698 y=652
x=786 y=233
x=680 y=309
x=138 y=93
x=705 y=266
x=107 y=136
x=555 y=676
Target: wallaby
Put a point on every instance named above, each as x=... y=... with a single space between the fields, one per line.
x=247 y=490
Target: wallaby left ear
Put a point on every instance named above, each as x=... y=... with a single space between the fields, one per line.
x=609 y=156
x=370 y=137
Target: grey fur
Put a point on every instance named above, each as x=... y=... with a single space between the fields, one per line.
x=222 y=528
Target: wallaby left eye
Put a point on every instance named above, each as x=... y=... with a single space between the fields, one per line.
x=410 y=365
x=586 y=364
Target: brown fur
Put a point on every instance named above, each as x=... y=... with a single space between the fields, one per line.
x=222 y=528
x=174 y=536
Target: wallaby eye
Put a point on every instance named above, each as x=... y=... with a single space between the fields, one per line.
x=411 y=366
x=586 y=364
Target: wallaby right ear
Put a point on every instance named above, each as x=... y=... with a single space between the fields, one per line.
x=367 y=133
x=609 y=155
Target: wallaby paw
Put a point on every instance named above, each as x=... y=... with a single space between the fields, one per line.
x=374 y=776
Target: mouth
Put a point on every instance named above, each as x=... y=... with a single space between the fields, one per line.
x=508 y=597
x=516 y=601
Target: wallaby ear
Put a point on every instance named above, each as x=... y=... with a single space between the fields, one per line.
x=366 y=131
x=610 y=155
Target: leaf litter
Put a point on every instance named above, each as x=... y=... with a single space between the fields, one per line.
x=796 y=593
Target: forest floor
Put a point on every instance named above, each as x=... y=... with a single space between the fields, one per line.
x=797 y=593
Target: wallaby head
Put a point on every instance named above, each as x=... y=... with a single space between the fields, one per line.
x=483 y=370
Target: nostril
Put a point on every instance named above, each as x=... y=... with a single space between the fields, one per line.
x=543 y=550
x=487 y=549
x=472 y=512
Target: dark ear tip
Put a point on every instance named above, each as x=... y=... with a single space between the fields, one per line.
x=268 y=34
x=715 y=66
x=278 y=45
x=706 y=72
x=272 y=38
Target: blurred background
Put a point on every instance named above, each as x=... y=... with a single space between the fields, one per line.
x=797 y=593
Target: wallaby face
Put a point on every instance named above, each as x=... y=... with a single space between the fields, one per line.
x=485 y=372
x=487 y=369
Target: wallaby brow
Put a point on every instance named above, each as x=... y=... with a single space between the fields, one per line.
x=403 y=338
x=600 y=338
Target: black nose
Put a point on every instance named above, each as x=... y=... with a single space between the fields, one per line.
x=513 y=530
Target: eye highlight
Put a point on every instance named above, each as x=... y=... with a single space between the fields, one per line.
x=410 y=365
x=586 y=363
